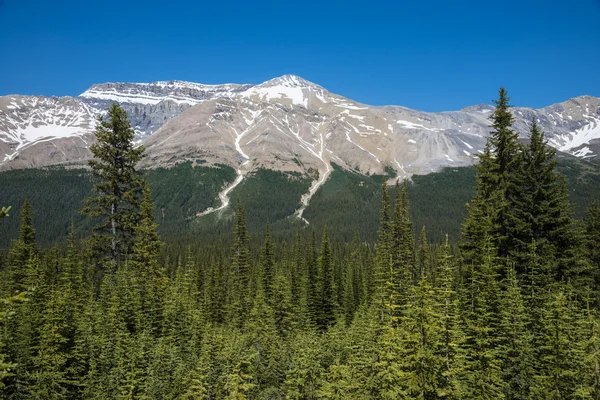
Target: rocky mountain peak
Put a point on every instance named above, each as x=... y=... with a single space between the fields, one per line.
x=289 y=80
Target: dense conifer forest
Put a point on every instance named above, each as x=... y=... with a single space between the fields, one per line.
x=506 y=309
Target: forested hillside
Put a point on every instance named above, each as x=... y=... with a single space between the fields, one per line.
x=508 y=309
x=346 y=202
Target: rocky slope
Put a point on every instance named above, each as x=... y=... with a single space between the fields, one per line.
x=286 y=123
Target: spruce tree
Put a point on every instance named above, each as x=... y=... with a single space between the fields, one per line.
x=481 y=368
x=267 y=260
x=118 y=186
x=314 y=282
x=383 y=274
x=515 y=341
x=149 y=276
x=239 y=274
x=495 y=186
x=20 y=253
x=421 y=343
x=327 y=302
x=590 y=350
x=559 y=359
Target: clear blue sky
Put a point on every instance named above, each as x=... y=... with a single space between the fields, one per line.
x=430 y=55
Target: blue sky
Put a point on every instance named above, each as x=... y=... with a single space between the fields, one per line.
x=428 y=55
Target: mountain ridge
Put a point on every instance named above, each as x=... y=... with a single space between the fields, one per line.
x=355 y=135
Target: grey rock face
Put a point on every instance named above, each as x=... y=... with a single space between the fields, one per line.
x=150 y=105
x=286 y=123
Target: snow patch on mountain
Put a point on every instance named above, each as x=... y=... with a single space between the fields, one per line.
x=582 y=136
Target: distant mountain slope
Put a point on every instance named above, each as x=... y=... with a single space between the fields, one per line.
x=347 y=202
x=286 y=124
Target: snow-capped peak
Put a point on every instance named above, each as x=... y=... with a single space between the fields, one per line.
x=289 y=80
x=286 y=89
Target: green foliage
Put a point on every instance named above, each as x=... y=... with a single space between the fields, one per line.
x=218 y=317
x=118 y=184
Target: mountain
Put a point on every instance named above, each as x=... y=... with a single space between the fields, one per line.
x=150 y=105
x=286 y=124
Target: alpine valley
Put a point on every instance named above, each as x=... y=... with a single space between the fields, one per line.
x=302 y=153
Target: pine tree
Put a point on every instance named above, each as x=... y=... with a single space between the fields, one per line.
x=282 y=305
x=515 y=341
x=327 y=302
x=495 y=186
x=421 y=343
x=481 y=369
x=590 y=350
x=20 y=253
x=540 y=211
x=340 y=384
x=383 y=249
x=558 y=370
x=267 y=261
x=149 y=276
x=49 y=377
x=239 y=276
x=506 y=161
x=305 y=367
x=453 y=338
x=314 y=282
x=403 y=239
x=119 y=185
x=423 y=258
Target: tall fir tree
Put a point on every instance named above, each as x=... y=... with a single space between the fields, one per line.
x=314 y=281
x=558 y=372
x=495 y=186
x=327 y=299
x=118 y=187
x=421 y=343
x=20 y=253
x=383 y=276
x=515 y=341
x=150 y=278
x=239 y=274
x=481 y=368
x=267 y=261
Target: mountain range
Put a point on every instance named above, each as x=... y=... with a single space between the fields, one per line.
x=286 y=124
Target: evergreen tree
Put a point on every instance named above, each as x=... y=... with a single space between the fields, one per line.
x=49 y=377
x=314 y=282
x=590 y=350
x=557 y=352
x=505 y=147
x=481 y=368
x=305 y=367
x=495 y=186
x=22 y=250
x=423 y=258
x=421 y=343
x=239 y=276
x=328 y=302
x=119 y=184
x=515 y=341
x=282 y=305
x=403 y=243
x=453 y=338
x=268 y=265
x=149 y=276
